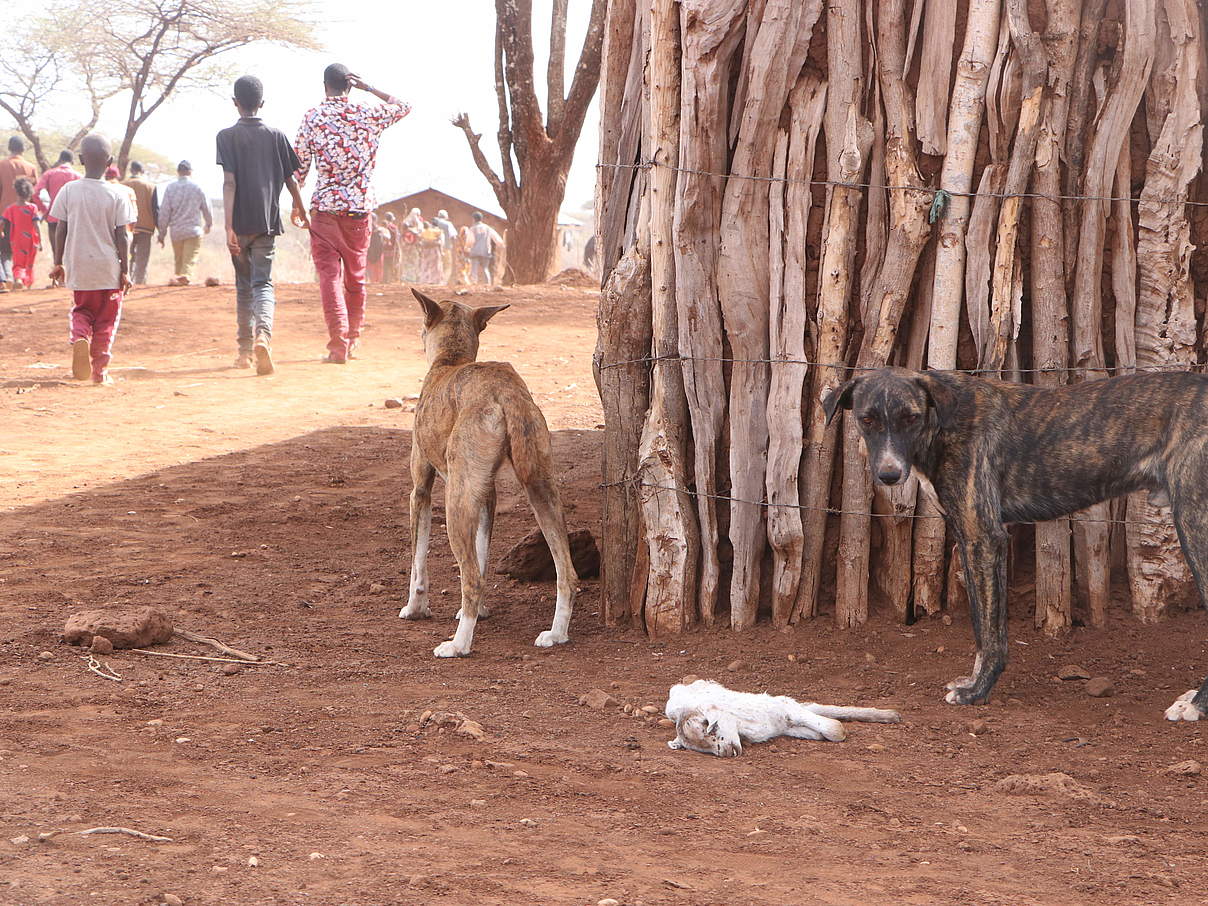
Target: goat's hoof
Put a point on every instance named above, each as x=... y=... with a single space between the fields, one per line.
x=415 y=612
x=549 y=639
x=1183 y=709
x=450 y=649
x=964 y=695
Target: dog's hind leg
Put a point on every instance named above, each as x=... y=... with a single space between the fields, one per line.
x=482 y=545
x=543 y=496
x=463 y=518
x=422 y=476
x=1190 y=499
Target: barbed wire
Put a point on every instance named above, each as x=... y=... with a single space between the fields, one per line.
x=1189 y=368
x=636 y=482
x=927 y=190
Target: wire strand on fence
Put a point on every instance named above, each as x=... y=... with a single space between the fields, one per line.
x=843 y=366
x=635 y=482
x=841 y=184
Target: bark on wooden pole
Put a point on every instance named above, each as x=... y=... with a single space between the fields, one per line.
x=1165 y=315
x=668 y=516
x=848 y=138
x=956 y=177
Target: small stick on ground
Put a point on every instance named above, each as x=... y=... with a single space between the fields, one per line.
x=99 y=669
x=124 y=830
x=214 y=643
x=202 y=657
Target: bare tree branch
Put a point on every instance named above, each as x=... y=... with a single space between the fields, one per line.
x=586 y=80
x=462 y=122
x=556 y=71
x=505 y=120
x=527 y=127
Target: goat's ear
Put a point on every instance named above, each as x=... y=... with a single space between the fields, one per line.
x=712 y=728
x=838 y=398
x=941 y=397
x=484 y=314
x=432 y=310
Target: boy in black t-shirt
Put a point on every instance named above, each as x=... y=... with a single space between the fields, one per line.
x=257 y=160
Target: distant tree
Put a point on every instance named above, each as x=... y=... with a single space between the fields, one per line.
x=531 y=189
x=149 y=49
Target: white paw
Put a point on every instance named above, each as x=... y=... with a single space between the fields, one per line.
x=1183 y=709
x=549 y=639
x=416 y=610
x=450 y=649
x=951 y=698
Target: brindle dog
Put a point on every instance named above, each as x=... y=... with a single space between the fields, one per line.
x=998 y=453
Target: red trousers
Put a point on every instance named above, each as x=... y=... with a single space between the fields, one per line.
x=338 y=245
x=95 y=317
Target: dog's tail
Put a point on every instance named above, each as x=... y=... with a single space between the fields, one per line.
x=867 y=715
x=528 y=445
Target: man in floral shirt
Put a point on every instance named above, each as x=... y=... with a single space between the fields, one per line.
x=341 y=139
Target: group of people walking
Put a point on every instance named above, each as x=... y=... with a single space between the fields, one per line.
x=432 y=251
x=101 y=229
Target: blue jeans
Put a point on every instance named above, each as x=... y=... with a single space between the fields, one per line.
x=254 y=297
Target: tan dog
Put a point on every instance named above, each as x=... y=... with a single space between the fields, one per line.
x=471 y=416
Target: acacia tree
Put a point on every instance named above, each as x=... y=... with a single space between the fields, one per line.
x=535 y=152
x=148 y=48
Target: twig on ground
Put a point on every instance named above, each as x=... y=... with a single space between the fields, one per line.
x=124 y=830
x=214 y=643
x=100 y=669
x=202 y=657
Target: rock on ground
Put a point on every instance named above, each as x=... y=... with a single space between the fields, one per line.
x=531 y=560
x=136 y=627
x=1073 y=672
x=101 y=645
x=1189 y=768
x=1100 y=687
x=598 y=700
x=1053 y=784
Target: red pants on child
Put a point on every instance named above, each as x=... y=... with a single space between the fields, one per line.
x=95 y=317
x=338 y=246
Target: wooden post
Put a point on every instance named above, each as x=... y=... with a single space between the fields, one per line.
x=668 y=517
x=964 y=124
x=848 y=138
x=1050 y=305
x=1091 y=531
x=1165 y=315
x=711 y=32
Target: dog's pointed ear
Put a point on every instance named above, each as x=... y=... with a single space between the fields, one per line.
x=839 y=397
x=432 y=310
x=940 y=396
x=484 y=314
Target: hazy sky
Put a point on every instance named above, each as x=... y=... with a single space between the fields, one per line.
x=437 y=56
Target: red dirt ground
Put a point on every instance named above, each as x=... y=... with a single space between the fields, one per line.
x=264 y=511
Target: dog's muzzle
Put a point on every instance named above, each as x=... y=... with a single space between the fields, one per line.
x=891 y=469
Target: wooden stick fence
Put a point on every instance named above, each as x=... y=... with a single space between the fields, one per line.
x=789 y=194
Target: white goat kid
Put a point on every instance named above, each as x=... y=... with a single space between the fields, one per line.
x=712 y=719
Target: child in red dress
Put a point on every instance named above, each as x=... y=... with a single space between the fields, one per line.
x=19 y=225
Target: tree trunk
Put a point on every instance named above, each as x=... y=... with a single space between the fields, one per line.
x=848 y=138
x=964 y=124
x=533 y=221
x=1165 y=317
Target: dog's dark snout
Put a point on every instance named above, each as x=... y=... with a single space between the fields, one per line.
x=889 y=476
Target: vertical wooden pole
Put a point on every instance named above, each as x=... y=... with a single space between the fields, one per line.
x=964 y=125
x=668 y=517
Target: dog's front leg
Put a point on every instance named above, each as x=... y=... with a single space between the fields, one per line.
x=984 y=555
